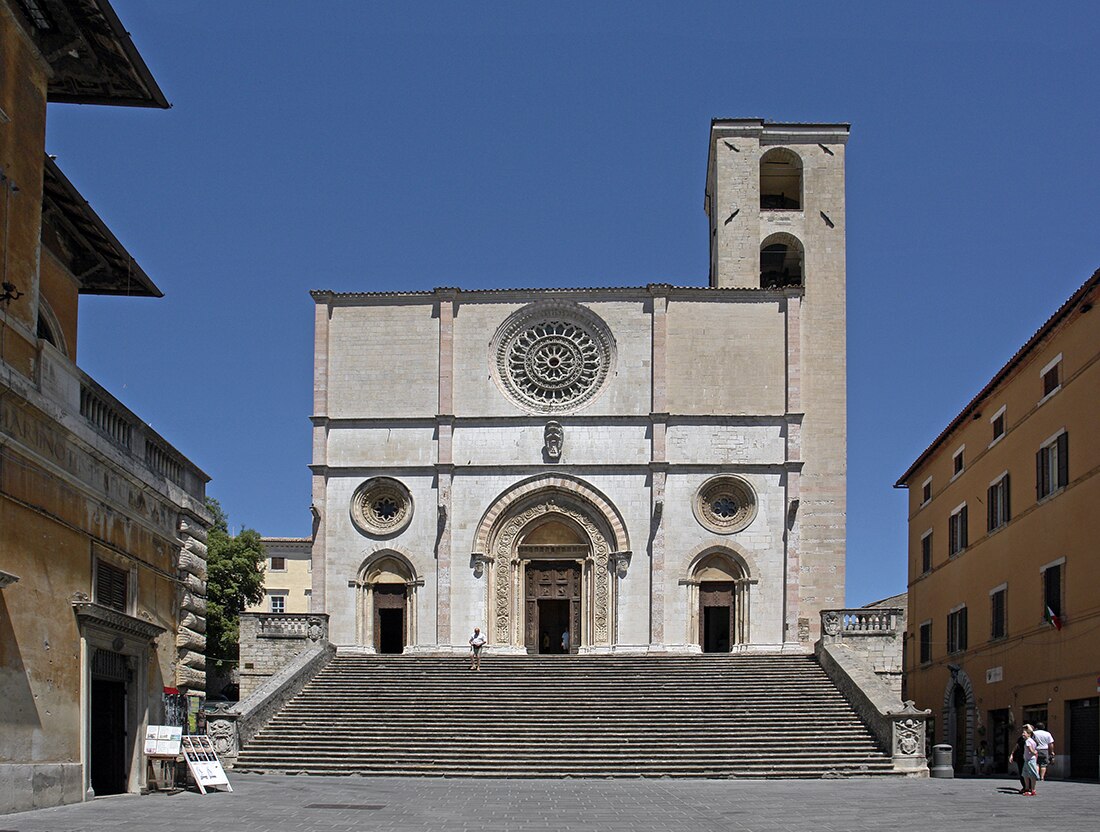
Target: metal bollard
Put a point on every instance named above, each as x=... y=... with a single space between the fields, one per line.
x=941 y=762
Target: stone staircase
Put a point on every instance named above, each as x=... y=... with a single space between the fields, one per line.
x=569 y=716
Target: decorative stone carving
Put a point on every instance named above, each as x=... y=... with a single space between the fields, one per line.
x=504 y=562
x=478 y=562
x=222 y=729
x=316 y=629
x=381 y=507
x=622 y=563
x=725 y=504
x=552 y=356
x=554 y=438
x=830 y=622
x=111 y=619
x=909 y=734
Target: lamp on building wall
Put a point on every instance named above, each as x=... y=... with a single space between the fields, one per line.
x=10 y=292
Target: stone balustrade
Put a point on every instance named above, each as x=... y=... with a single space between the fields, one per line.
x=860 y=650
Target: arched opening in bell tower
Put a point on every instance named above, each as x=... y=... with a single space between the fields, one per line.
x=780 y=180
x=781 y=262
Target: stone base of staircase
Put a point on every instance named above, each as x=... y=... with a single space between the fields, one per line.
x=703 y=716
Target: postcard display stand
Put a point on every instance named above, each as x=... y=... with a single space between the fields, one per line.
x=203 y=762
x=162 y=750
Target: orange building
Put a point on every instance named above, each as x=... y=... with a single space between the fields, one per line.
x=102 y=522
x=1004 y=613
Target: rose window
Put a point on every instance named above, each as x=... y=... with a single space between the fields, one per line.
x=725 y=504
x=381 y=507
x=552 y=362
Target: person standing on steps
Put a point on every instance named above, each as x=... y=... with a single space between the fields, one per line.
x=1044 y=743
x=477 y=641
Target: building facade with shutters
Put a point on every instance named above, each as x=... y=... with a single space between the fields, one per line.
x=1004 y=617
x=102 y=521
x=651 y=468
x=288 y=576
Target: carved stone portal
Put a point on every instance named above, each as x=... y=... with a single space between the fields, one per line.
x=507 y=567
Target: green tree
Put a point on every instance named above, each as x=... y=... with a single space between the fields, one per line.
x=235 y=579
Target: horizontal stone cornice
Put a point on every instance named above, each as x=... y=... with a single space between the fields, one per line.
x=89 y=612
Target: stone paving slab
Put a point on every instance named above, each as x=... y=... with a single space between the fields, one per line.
x=265 y=803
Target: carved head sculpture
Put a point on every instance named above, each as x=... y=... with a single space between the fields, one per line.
x=554 y=437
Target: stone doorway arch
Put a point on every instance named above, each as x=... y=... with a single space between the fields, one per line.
x=719 y=582
x=960 y=713
x=386 y=587
x=529 y=524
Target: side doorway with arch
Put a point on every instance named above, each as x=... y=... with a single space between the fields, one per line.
x=387 y=603
x=719 y=582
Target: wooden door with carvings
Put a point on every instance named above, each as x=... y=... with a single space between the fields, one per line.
x=552 y=606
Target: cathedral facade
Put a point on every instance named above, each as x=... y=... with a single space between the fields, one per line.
x=658 y=468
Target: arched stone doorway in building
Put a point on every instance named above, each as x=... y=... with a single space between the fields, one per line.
x=552 y=550
x=959 y=718
x=386 y=609
x=719 y=584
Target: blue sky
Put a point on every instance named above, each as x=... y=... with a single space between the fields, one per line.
x=368 y=146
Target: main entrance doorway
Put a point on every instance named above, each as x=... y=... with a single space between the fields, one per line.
x=552 y=606
x=109 y=757
x=389 y=618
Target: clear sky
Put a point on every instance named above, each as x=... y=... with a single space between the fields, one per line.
x=365 y=146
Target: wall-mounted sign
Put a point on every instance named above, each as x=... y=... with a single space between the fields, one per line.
x=994 y=674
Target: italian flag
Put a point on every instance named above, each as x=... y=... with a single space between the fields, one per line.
x=1054 y=620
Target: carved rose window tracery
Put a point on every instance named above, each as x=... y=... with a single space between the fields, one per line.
x=381 y=507
x=552 y=357
x=725 y=504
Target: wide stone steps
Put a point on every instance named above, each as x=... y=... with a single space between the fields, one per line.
x=576 y=716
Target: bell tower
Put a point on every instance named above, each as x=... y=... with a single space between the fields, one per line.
x=775 y=200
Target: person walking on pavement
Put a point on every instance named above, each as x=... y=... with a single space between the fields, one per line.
x=1044 y=743
x=1031 y=766
x=1017 y=756
x=477 y=641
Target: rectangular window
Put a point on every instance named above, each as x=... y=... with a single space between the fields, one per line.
x=926 y=491
x=1052 y=466
x=112 y=586
x=1034 y=714
x=926 y=552
x=956 y=631
x=957 y=461
x=998 y=424
x=278 y=603
x=997 y=504
x=956 y=526
x=926 y=642
x=998 y=620
x=1052 y=590
x=1052 y=376
x=278 y=564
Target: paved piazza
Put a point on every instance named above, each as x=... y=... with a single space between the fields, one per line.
x=298 y=804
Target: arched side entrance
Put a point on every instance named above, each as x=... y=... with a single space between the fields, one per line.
x=554 y=547
x=386 y=602
x=718 y=584
x=959 y=719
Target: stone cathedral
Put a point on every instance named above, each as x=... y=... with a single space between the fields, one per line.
x=651 y=469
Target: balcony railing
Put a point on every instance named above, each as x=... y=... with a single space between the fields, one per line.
x=67 y=386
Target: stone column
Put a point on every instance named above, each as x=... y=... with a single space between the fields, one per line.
x=318 y=601
x=444 y=466
x=658 y=463
x=796 y=631
x=191 y=632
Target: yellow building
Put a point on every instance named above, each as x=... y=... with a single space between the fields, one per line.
x=102 y=522
x=288 y=575
x=1004 y=613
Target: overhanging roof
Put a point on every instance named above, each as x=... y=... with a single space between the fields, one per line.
x=94 y=255
x=90 y=52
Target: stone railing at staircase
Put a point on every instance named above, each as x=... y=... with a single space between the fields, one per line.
x=860 y=650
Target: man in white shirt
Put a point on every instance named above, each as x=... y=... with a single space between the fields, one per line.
x=1044 y=742
x=477 y=641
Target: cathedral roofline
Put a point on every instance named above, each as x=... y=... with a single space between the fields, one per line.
x=824 y=132
x=649 y=290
